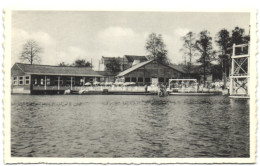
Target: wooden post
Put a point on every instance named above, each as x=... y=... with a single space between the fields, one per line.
x=58 y=82
x=45 y=83
x=71 y=83
x=232 y=70
x=248 y=71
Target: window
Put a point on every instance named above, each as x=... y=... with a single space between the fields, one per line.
x=161 y=79
x=57 y=79
x=15 y=81
x=140 y=79
x=48 y=81
x=27 y=80
x=35 y=81
x=127 y=79
x=21 y=80
x=68 y=80
x=147 y=80
x=42 y=81
x=133 y=79
x=81 y=81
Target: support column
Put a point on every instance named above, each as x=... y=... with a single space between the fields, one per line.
x=58 y=82
x=248 y=71
x=45 y=83
x=232 y=70
x=71 y=83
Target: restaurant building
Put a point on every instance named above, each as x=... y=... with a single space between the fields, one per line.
x=42 y=79
x=150 y=71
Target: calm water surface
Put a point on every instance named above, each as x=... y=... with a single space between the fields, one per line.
x=129 y=126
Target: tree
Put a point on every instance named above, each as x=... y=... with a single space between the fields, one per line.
x=204 y=47
x=239 y=37
x=63 y=64
x=156 y=47
x=113 y=65
x=82 y=63
x=188 y=50
x=30 y=52
x=223 y=40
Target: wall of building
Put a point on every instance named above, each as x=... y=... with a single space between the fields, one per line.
x=152 y=70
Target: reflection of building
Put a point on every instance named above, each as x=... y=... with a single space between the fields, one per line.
x=28 y=78
x=125 y=62
x=145 y=72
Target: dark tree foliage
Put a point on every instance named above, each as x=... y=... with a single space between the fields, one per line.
x=223 y=40
x=225 y=43
x=114 y=66
x=204 y=47
x=82 y=63
x=239 y=37
x=63 y=64
x=31 y=52
x=156 y=47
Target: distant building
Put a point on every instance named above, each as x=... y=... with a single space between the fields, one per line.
x=148 y=71
x=126 y=62
x=30 y=79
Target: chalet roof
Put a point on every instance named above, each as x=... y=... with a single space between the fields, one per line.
x=133 y=68
x=56 y=70
x=140 y=65
x=181 y=68
x=106 y=73
x=178 y=67
x=131 y=58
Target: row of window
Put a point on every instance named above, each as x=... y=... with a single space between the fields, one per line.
x=21 y=80
x=48 y=81
x=141 y=79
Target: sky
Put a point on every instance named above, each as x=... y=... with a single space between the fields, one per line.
x=66 y=36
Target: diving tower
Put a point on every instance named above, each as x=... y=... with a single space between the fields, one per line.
x=240 y=76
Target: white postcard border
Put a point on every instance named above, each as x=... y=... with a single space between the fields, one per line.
x=7 y=102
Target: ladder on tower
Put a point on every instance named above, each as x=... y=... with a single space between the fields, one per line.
x=239 y=76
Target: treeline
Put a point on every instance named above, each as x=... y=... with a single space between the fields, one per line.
x=78 y=63
x=200 y=48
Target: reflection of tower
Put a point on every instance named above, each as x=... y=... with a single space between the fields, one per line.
x=239 y=78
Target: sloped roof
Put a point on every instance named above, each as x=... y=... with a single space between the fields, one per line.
x=178 y=67
x=106 y=73
x=144 y=63
x=181 y=68
x=133 y=68
x=56 y=70
x=131 y=58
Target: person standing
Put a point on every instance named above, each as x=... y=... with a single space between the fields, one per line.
x=145 y=88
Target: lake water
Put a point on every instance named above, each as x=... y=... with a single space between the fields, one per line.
x=129 y=126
